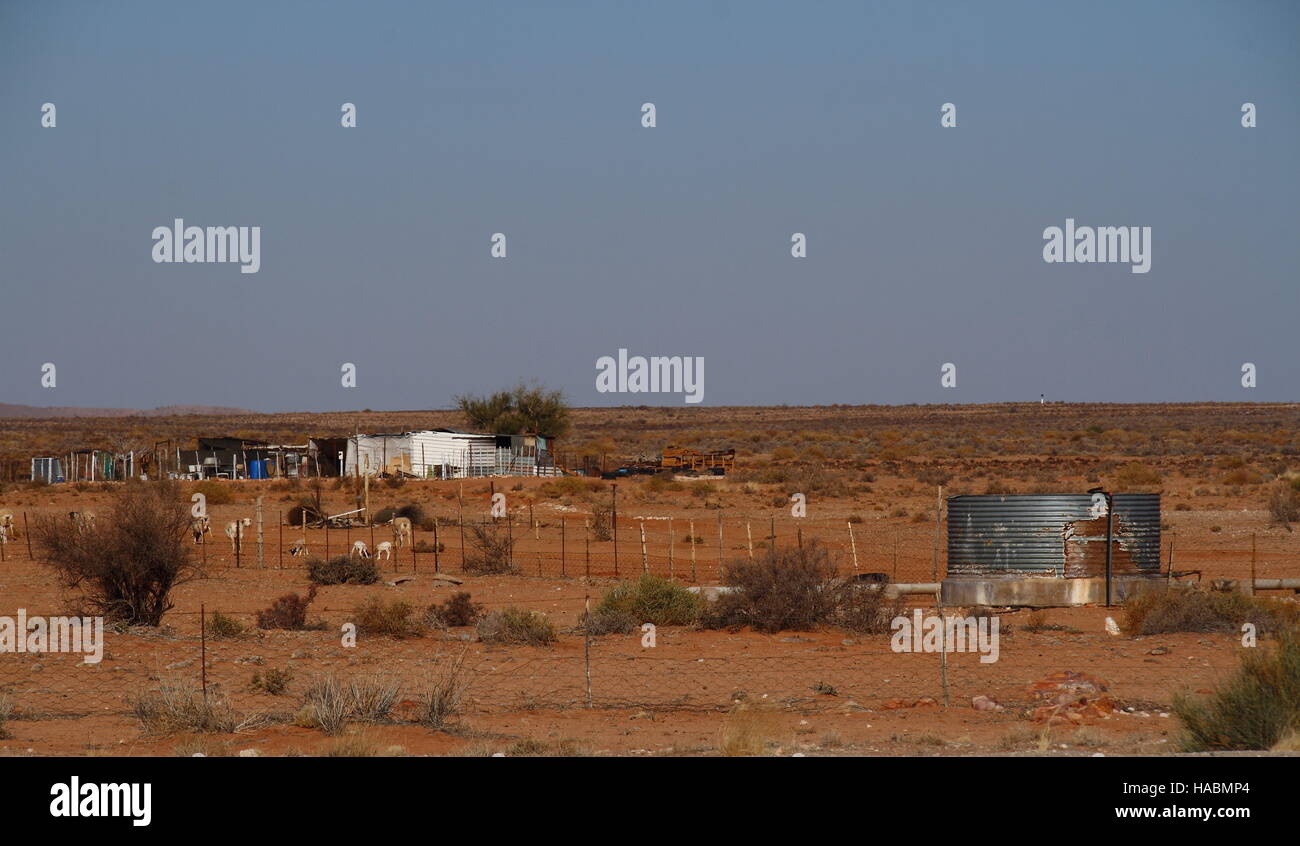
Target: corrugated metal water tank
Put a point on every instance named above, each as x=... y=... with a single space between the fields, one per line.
x=1061 y=535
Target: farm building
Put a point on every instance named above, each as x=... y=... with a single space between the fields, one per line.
x=48 y=469
x=228 y=458
x=448 y=454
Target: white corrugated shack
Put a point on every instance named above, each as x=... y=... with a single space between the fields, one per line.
x=447 y=454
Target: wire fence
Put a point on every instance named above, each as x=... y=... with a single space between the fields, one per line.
x=693 y=548
x=802 y=672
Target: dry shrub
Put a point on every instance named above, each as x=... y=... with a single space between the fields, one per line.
x=602 y=521
x=1159 y=611
x=444 y=691
x=456 y=610
x=866 y=608
x=395 y=619
x=342 y=570
x=606 y=622
x=565 y=748
x=793 y=588
x=220 y=626
x=492 y=550
x=748 y=731
x=1284 y=505
x=1137 y=475
x=516 y=625
x=329 y=704
x=274 y=682
x=287 y=612
x=214 y=492
x=1258 y=707
x=6 y=711
x=126 y=565
x=178 y=705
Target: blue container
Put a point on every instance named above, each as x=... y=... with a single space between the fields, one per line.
x=257 y=469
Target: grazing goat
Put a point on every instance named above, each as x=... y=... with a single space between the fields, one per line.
x=384 y=550
x=6 y=526
x=299 y=548
x=199 y=527
x=401 y=531
x=235 y=531
x=359 y=549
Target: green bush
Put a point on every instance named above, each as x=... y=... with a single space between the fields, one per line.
x=652 y=599
x=1255 y=708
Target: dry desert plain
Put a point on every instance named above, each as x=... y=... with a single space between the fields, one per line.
x=867 y=470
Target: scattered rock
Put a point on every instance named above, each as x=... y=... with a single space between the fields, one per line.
x=1160 y=650
x=984 y=703
x=249 y=753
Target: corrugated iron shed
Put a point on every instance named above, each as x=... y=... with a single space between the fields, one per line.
x=1062 y=535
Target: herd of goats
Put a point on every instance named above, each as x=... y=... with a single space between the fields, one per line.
x=201 y=528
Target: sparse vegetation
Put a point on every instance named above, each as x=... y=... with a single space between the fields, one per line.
x=329 y=704
x=1258 y=707
x=1189 y=610
x=178 y=705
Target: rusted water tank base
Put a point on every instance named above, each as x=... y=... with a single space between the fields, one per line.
x=1042 y=592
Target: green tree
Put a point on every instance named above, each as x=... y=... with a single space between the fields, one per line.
x=522 y=411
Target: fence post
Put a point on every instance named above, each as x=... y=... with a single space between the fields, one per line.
x=562 y=547
x=27 y=534
x=460 y=518
x=645 y=561
x=279 y=558
x=749 y=539
x=261 y=558
x=586 y=644
x=670 y=548
x=203 y=650
x=692 y=539
x=613 y=520
x=719 y=544
x=853 y=545
x=586 y=533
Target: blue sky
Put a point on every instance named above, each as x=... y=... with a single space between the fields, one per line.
x=924 y=243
